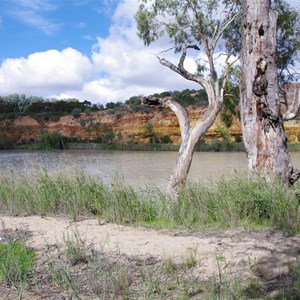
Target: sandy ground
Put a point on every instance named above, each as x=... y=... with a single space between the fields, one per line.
x=270 y=252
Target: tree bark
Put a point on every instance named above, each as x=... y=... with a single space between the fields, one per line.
x=261 y=119
x=186 y=151
x=190 y=137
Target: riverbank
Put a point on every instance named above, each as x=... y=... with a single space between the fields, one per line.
x=229 y=239
x=223 y=202
x=217 y=146
x=93 y=259
x=212 y=147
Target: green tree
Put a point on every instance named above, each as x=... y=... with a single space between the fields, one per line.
x=191 y=26
x=287 y=51
x=231 y=97
x=287 y=40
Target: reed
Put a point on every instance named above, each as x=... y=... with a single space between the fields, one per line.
x=227 y=202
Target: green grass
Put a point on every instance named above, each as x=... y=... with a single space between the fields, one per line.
x=16 y=262
x=236 y=201
x=228 y=202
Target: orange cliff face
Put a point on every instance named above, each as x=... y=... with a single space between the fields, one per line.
x=126 y=126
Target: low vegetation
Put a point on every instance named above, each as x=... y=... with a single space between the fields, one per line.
x=16 y=262
x=227 y=202
x=77 y=270
x=74 y=269
x=15 y=105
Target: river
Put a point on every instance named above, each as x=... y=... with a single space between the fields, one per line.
x=136 y=167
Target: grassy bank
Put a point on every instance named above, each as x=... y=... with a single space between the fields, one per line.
x=215 y=146
x=76 y=270
x=228 y=202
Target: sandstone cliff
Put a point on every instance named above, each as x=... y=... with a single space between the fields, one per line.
x=126 y=126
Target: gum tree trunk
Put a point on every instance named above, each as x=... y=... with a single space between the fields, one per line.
x=190 y=136
x=262 y=122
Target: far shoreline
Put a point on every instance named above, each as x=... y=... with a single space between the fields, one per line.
x=215 y=146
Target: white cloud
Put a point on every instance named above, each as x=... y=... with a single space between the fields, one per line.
x=45 y=72
x=30 y=12
x=132 y=68
x=120 y=67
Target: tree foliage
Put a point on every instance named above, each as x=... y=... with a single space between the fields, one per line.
x=192 y=22
x=287 y=38
x=19 y=104
x=190 y=25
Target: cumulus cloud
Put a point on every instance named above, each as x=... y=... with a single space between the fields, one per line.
x=120 y=66
x=133 y=68
x=45 y=72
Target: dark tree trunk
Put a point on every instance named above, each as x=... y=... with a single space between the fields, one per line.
x=262 y=122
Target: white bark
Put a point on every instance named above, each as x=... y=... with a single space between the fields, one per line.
x=292 y=111
x=190 y=137
x=215 y=92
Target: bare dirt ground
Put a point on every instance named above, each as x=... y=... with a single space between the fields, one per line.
x=267 y=253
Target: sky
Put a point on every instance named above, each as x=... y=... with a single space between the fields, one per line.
x=84 y=49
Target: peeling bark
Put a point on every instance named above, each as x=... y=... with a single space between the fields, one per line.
x=262 y=122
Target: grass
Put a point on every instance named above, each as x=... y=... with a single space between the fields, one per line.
x=228 y=202
x=16 y=262
x=103 y=277
x=76 y=270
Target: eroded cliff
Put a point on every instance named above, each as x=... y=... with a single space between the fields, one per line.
x=123 y=127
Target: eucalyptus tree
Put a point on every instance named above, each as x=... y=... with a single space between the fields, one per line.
x=190 y=25
x=261 y=117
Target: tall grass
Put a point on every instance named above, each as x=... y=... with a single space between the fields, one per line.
x=236 y=201
x=228 y=202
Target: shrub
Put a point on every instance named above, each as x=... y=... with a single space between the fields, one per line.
x=76 y=112
x=165 y=139
x=52 y=140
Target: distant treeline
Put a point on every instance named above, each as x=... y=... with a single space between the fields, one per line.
x=15 y=105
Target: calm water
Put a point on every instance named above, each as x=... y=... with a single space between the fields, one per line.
x=137 y=168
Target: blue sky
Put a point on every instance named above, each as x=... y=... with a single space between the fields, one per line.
x=29 y=26
x=87 y=49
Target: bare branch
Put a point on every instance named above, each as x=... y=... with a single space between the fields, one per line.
x=214 y=43
x=183 y=56
x=282 y=92
x=226 y=71
x=167 y=50
x=293 y=109
x=183 y=72
x=175 y=107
